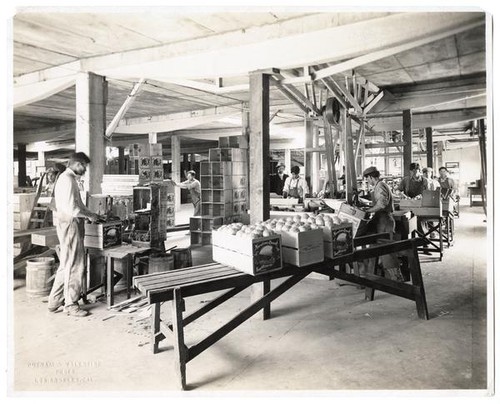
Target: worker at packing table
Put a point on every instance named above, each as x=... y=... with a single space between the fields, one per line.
x=295 y=187
x=382 y=220
x=413 y=185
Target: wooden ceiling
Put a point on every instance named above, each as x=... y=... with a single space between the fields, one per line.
x=446 y=76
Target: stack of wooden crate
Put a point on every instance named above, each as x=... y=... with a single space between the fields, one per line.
x=224 y=188
x=154 y=210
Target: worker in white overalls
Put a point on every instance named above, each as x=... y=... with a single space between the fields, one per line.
x=69 y=212
x=295 y=187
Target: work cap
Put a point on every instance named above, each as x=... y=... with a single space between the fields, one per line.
x=369 y=171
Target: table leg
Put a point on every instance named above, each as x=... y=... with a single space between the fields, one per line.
x=440 y=239
x=110 y=263
x=155 y=326
x=179 y=347
x=417 y=281
x=267 y=308
x=128 y=274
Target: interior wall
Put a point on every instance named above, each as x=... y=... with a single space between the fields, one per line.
x=470 y=165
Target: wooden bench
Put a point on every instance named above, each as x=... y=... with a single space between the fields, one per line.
x=178 y=284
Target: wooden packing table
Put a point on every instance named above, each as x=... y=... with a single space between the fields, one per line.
x=435 y=223
x=178 y=284
x=122 y=252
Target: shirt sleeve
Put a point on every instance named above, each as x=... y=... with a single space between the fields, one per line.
x=286 y=187
x=68 y=200
x=188 y=184
x=305 y=188
x=381 y=196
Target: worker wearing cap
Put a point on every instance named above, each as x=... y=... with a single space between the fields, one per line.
x=382 y=220
x=278 y=179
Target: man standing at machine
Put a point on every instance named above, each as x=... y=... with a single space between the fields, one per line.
x=278 y=179
x=194 y=189
x=69 y=212
x=295 y=187
x=382 y=220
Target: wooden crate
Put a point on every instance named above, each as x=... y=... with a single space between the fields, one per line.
x=304 y=248
x=45 y=237
x=103 y=235
x=431 y=198
x=233 y=141
x=252 y=256
x=409 y=204
x=239 y=194
x=338 y=240
x=358 y=218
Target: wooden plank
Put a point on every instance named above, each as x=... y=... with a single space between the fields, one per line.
x=198 y=348
x=186 y=278
x=259 y=147
x=139 y=278
x=407 y=138
x=124 y=108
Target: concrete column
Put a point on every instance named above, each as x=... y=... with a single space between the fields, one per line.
x=21 y=162
x=428 y=141
x=91 y=99
x=288 y=160
x=259 y=146
x=407 y=138
x=153 y=137
x=41 y=159
x=259 y=161
x=176 y=168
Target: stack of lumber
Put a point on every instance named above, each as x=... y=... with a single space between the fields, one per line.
x=22 y=204
x=118 y=185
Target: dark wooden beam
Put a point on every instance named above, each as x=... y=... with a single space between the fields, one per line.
x=428 y=140
x=259 y=146
x=121 y=160
x=21 y=159
x=407 y=138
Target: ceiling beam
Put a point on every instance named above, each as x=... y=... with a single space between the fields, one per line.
x=45 y=134
x=28 y=94
x=422 y=120
x=238 y=52
x=176 y=121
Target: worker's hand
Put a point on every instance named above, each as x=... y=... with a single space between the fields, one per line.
x=285 y=195
x=94 y=217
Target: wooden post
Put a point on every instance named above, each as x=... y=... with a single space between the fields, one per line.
x=180 y=353
x=351 y=181
x=192 y=161
x=407 y=138
x=121 y=160
x=176 y=168
x=429 y=149
x=387 y=157
x=315 y=162
x=259 y=146
x=91 y=99
x=21 y=162
x=308 y=156
x=245 y=131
